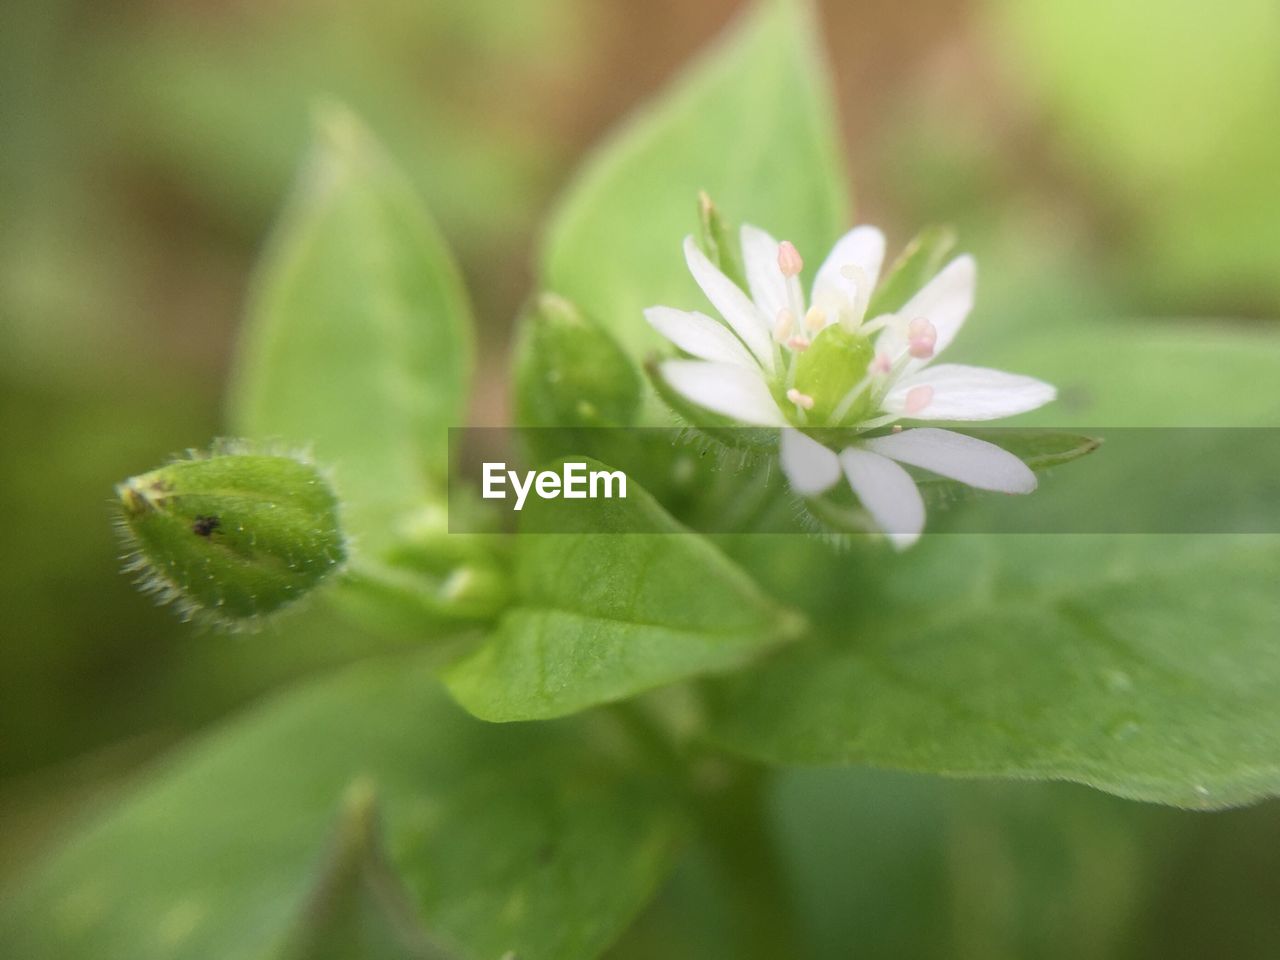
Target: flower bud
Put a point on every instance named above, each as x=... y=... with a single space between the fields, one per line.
x=231 y=535
x=570 y=372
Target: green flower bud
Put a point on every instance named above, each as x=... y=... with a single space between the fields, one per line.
x=231 y=535
x=830 y=371
x=570 y=372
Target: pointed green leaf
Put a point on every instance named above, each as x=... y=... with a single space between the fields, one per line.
x=359 y=907
x=752 y=125
x=358 y=337
x=1146 y=666
x=540 y=839
x=605 y=615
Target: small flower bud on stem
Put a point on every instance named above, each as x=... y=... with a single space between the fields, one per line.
x=231 y=535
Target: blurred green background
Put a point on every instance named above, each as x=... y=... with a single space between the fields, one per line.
x=1104 y=159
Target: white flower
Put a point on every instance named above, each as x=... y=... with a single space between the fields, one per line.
x=776 y=361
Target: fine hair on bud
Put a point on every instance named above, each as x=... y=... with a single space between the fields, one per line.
x=231 y=534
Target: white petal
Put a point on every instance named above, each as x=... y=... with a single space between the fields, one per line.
x=888 y=493
x=945 y=301
x=810 y=467
x=769 y=288
x=699 y=335
x=734 y=305
x=724 y=388
x=970 y=393
x=862 y=247
x=967 y=459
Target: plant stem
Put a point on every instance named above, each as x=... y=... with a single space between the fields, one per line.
x=735 y=824
x=729 y=801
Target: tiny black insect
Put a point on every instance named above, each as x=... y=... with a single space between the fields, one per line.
x=204 y=526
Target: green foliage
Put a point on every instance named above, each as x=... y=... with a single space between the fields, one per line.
x=358 y=906
x=1142 y=665
x=231 y=534
x=719 y=241
x=570 y=372
x=358 y=338
x=218 y=102
x=1168 y=107
x=1124 y=373
x=751 y=125
x=545 y=839
x=428 y=580
x=924 y=256
x=626 y=602
x=366 y=814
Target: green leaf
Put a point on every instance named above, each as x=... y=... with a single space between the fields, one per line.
x=359 y=907
x=752 y=125
x=1146 y=666
x=543 y=839
x=1007 y=870
x=919 y=261
x=625 y=601
x=358 y=337
x=1142 y=664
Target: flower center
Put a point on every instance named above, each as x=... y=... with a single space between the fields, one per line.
x=833 y=373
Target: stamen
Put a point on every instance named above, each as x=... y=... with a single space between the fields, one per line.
x=881 y=364
x=799 y=344
x=802 y=400
x=815 y=319
x=789 y=261
x=897 y=428
x=918 y=398
x=785 y=322
x=922 y=337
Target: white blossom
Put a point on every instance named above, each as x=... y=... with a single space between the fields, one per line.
x=778 y=361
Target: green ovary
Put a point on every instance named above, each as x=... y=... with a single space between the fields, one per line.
x=835 y=364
